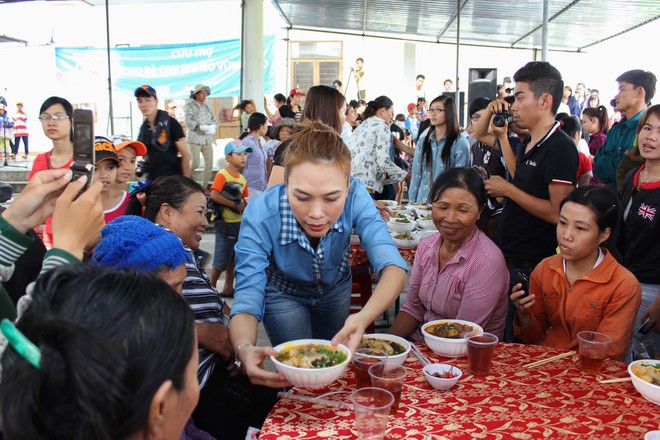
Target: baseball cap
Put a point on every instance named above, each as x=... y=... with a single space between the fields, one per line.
x=507 y=79
x=198 y=88
x=411 y=106
x=296 y=91
x=236 y=146
x=145 y=92
x=104 y=150
x=122 y=141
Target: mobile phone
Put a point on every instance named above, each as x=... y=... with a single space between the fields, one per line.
x=84 y=156
x=522 y=279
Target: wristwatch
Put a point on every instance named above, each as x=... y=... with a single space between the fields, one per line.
x=237 y=362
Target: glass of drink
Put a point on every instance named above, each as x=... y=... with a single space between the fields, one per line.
x=390 y=378
x=363 y=358
x=480 y=348
x=593 y=351
x=372 y=406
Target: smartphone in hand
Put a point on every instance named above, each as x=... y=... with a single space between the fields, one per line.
x=522 y=279
x=84 y=156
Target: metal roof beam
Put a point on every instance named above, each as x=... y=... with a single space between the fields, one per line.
x=619 y=33
x=451 y=20
x=279 y=8
x=566 y=8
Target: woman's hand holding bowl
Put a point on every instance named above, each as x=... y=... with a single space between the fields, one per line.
x=252 y=359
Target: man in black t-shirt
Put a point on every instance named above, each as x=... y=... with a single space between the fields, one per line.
x=167 y=149
x=545 y=174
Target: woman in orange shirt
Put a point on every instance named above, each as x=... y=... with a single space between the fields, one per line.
x=583 y=287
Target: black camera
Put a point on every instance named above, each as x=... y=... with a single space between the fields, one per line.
x=501 y=118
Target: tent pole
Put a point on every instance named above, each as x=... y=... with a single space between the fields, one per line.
x=111 y=116
x=458 y=53
x=544 y=34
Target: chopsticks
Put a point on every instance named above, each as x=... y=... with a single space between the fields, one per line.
x=618 y=379
x=327 y=402
x=550 y=359
x=418 y=354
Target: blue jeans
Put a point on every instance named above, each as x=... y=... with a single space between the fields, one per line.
x=225 y=240
x=308 y=313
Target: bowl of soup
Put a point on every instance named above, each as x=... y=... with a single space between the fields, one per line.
x=645 y=375
x=311 y=362
x=396 y=347
x=400 y=225
x=446 y=337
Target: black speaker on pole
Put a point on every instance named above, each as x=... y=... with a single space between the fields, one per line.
x=460 y=105
x=482 y=84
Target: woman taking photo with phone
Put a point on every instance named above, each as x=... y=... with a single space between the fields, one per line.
x=292 y=255
x=442 y=147
x=583 y=288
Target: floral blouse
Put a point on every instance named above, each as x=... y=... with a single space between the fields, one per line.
x=370 y=153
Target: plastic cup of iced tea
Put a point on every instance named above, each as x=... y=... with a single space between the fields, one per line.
x=389 y=377
x=480 y=349
x=362 y=359
x=593 y=351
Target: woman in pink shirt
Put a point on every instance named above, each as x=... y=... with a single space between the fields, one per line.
x=459 y=273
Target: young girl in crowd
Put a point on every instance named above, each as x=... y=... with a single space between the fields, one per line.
x=106 y=168
x=371 y=147
x=595 y=122
x=459 y=273
x=127 y=153
x=441 y=147
x=639 y=225
x=97 y=374
x=572 y=127
x=583 y=287
x=56 y=120
x=327 y=105
x=292 y=255
x=258 y=166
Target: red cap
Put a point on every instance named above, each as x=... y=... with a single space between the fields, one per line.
x=296 y=91
x=411 y=106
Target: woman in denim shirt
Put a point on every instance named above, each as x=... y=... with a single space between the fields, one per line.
x=292 y=255
x=442 y=147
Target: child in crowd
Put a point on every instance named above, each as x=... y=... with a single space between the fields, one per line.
x=127 y=153
x=412 y=124
x=572 y=127
x=114 y=200
x=230 y=190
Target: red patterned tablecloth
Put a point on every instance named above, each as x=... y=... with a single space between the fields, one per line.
x=554 y=401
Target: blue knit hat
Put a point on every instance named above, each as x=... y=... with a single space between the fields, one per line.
x=132 y=242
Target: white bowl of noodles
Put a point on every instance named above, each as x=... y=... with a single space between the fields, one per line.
x=645 y=374
x=452 y=343
x=311 y=362
x=396 y=347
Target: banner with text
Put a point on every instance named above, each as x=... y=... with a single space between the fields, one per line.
x=173 y=70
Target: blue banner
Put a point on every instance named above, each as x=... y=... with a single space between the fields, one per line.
x=173 y=70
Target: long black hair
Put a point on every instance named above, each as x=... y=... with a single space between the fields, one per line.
x=108 y=339
x=451 y=135
x=375 y=105
x=173 y=190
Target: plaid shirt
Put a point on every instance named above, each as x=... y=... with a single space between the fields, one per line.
x=290 y=233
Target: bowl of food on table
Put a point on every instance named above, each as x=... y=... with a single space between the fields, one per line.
x=397 y=348
x=645 y=375
x=389 y=203
x=405 y=240
x=442 y=376
x=421 y=209
x=421 y=233
x=446 y=337
x=311 y=362
x=396 y=224
x=400 y=209
x=426 y=223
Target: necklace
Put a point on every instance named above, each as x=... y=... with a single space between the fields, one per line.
x=645 y=178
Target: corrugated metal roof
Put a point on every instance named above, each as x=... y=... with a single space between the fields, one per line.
x=573 y=24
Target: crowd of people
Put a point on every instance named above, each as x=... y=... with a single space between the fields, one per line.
x=115 y=297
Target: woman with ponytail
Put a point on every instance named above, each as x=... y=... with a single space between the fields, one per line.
x=442 y=147
x=595 y=122
x=371 y=147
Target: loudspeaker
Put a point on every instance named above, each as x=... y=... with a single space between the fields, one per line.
x=483 y=84
x=460 y=105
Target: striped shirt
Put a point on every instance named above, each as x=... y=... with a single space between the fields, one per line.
x=472 y=286
x=20 y=124
x=207 y=306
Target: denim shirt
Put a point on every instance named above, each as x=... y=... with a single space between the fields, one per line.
x=272 y=249
x=459 y=156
